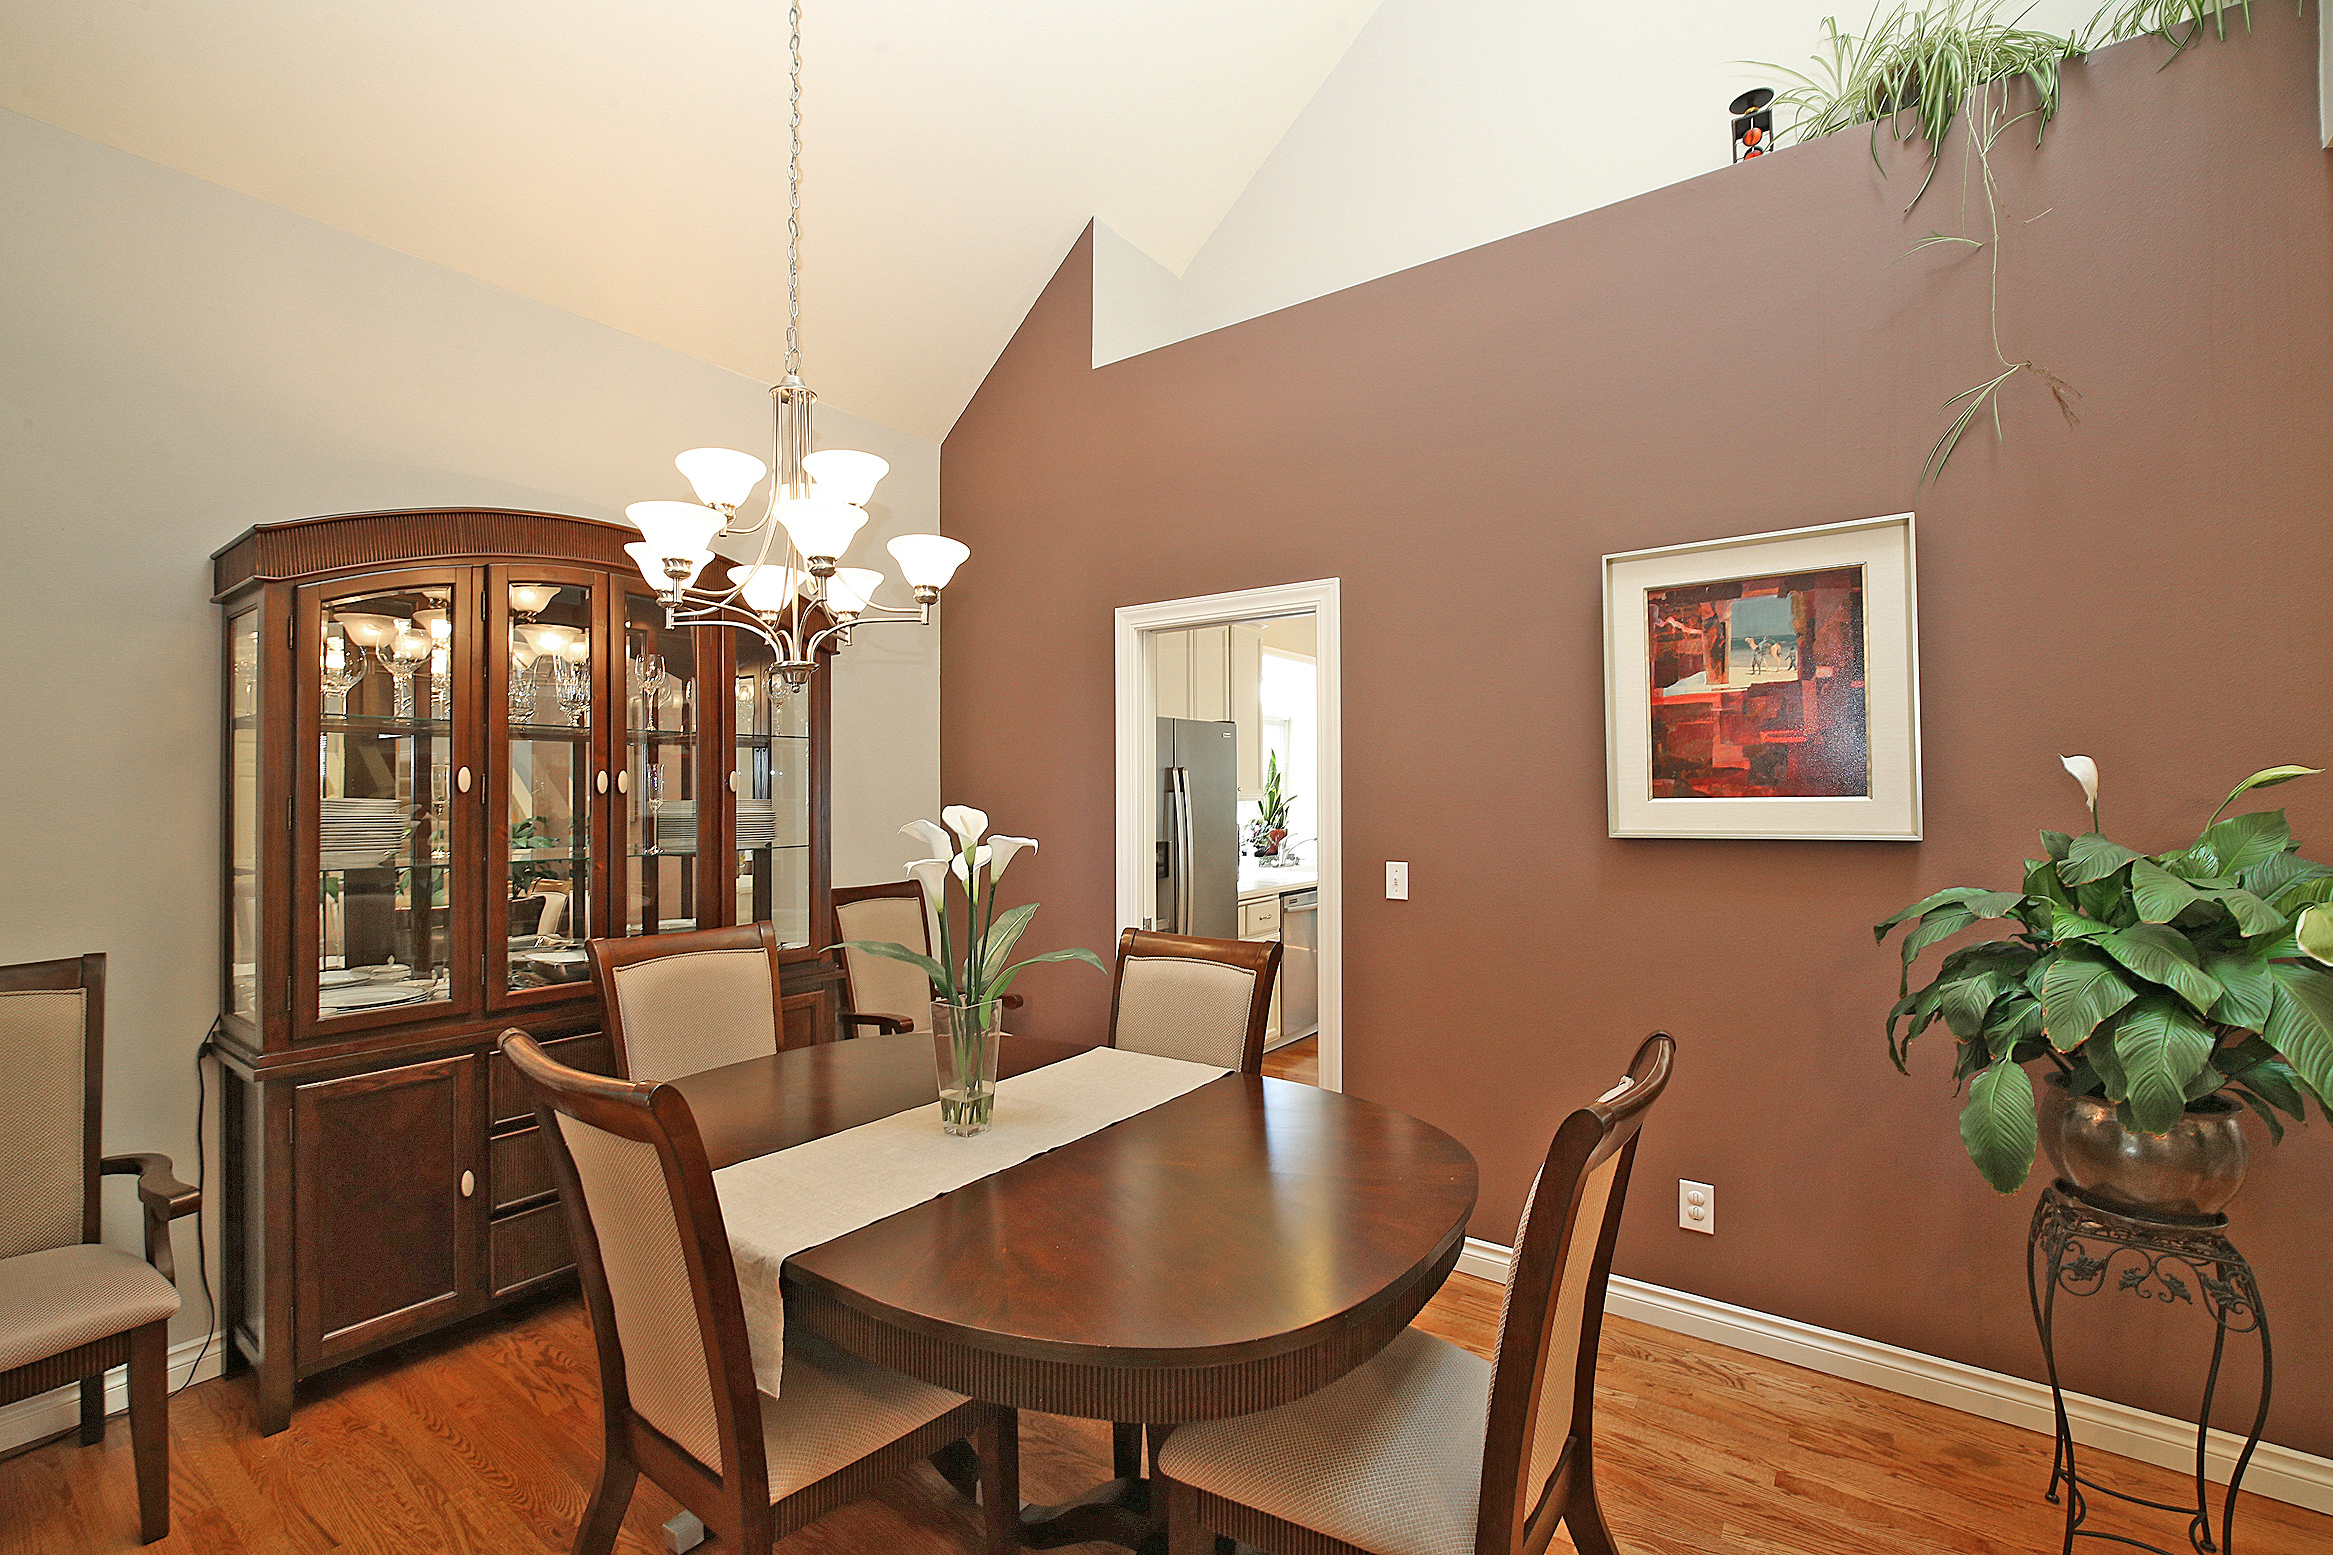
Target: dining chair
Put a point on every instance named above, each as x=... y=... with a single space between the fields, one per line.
x=1206 y=1000
x=1428 y=1449
x=677 y=1390
x=886 y=994
x=70 y=1308
x=691 y=1000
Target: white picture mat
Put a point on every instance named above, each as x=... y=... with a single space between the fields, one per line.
x=1884 y=548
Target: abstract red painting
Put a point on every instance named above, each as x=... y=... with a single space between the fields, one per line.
x=1758 y=688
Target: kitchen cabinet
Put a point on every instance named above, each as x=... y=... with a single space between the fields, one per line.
x=1247 y=687
x=1211 y=673
x=1171 y=674
x=456 y=745
x=1259 y=919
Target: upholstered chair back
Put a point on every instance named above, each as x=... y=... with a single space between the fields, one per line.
x=652 y=1253
x=680 y=1003
x=879 y=985
x=1544 y=1366
x=1203 y=1000
x=48 y=1152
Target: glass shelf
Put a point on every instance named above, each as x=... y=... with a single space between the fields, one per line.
x=664 y=736
x=557 y=731
x=365 y=723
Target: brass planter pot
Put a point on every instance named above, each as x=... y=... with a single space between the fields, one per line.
x=2188 y=1173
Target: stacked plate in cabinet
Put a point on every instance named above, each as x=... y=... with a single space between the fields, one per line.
x=361 y=833
x=757 y=824
x=676 y=826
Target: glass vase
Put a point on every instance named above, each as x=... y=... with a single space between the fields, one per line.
x=964 y=1045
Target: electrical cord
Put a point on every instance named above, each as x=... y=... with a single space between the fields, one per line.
x=202 y=1252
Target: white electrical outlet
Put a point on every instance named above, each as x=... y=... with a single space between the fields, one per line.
x=1397 y=882
x=1696 y=1206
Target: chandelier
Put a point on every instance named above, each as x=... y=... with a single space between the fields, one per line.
x=817 y=502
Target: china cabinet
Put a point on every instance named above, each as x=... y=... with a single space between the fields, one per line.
x=457 y=745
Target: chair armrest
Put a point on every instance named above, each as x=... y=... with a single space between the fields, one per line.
x=888 y=1025
x=165 y=1199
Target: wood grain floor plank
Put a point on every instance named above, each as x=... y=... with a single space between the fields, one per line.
x=485 y=1441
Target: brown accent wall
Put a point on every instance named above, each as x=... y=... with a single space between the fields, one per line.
x=1461 y=442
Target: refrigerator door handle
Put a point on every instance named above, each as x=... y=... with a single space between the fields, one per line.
x=1183 y=859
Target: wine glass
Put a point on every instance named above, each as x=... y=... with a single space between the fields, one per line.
x=655 y=776
x=649 y=671
x=404 y=656
x=344 y=666
x=571 y=681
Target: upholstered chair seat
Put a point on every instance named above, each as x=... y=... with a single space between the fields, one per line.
x=1387 y=1458
x=71 y=1308
x=1426 y=1449
x=62 y=1298
x=683 y=1003
x=677 y=1386
x=1206 y=1001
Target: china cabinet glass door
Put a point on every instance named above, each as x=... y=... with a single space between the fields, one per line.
x=390 y=840
x=243 y=857
x=545 y=675
x=770 y=775
x=661 y=776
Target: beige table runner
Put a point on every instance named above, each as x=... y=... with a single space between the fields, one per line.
x=777 y=1205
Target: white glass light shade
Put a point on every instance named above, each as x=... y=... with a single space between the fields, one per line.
x=435 y=623
x=368 y=631
x=675 y=528
x=411 y=644
x=522 y=652
x=527 y=598
x=723 y=477
x=440 y=661
x=769 y=590
x=845 y=475
x=928 y=561
x=548 y=639
x=576 y=649
x=852 y=589
x=650 y=560
x=819 y=527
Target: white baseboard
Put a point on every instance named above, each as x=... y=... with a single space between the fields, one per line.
x=2281 y=1473
x=45 y=1414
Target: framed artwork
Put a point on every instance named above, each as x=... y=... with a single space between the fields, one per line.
x=1766 y=686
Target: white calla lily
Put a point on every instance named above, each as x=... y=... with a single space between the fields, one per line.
x=2085 y=772
x=1003 y=849
x=979 y=862
x=967 y=823
x=932 y=837
x=932 y=875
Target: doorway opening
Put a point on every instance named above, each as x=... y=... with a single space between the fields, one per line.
x=1227 y=793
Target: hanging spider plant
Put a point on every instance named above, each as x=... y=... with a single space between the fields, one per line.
x=1917 y=71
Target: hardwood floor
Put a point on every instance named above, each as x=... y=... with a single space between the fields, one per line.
x=1298 y=1061
x=485 y=1440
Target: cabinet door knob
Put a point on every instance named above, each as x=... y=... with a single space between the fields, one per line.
x=603 y=780
x=736 y=782
x=462 y=779
x=623 y=782
x=469 y=1183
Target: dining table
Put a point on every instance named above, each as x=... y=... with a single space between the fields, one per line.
x=1232 y=1249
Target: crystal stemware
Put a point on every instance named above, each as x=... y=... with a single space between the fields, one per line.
x=655 y=777
x=344 y=666
x=571 y=681
x=404 y=656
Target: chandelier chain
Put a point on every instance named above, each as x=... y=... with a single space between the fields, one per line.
x=794 y=199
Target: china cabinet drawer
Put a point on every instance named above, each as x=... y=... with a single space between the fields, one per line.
x=507 y=1093
x=528 y=1246
x=519 y=1168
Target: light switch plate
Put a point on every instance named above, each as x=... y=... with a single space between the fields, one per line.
x=1696 y=1206
x=1397 y=882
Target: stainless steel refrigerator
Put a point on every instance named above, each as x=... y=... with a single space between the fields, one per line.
x=1198 y=828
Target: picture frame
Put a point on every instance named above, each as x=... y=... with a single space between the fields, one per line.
x=1765 y=686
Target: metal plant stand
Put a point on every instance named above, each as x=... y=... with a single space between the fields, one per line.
x=2081 y=1249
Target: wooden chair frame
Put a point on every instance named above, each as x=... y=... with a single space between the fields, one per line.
x=1262 y=957
x=735 y=1505
x=1505 y=1524
x=610 y=956
x=844 y=896
x=145 y=1349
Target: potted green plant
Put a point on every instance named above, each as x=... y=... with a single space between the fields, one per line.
x=1271 y=823
x=967 y=1015
x=2167 y=992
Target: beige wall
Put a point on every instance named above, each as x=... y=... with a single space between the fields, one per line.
x=178 y=362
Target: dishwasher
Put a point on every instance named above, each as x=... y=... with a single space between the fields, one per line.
x=1299 y=966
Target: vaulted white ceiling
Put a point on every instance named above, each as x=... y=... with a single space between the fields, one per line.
x=625 y=159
